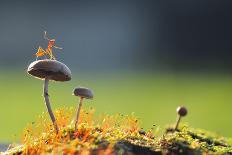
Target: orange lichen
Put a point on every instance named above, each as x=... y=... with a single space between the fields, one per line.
x=40 y=136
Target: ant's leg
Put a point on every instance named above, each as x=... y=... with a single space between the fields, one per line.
x=53 y=57
x=49 y=52
x=57 y=47
x=44 y=52
x=50 y=56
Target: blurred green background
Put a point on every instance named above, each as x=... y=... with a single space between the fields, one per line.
x=146 y=57
x=153 y=97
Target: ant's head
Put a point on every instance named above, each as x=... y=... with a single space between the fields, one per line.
x=52 y=42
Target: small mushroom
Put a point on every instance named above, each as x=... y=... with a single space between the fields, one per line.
x=82 y=93
x=49 y=70
x=182 y=111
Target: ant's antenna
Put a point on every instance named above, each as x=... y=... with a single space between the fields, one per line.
x=45 y=35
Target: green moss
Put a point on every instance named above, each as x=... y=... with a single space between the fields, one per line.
x=116 y=134
x=197 y=141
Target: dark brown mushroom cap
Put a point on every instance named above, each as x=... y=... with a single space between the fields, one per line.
x=83 y=92
x=182 y=111
x=53 y=69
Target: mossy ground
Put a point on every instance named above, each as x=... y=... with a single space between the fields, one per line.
x=118 y=134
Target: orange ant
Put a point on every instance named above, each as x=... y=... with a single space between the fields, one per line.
x=48 y=51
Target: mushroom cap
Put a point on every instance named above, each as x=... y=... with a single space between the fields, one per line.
x=182 y=111
x=83 y=92
x=53 y=69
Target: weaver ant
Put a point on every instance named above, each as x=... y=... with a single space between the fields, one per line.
x=48 y=51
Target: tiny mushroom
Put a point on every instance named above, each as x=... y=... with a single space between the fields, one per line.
x=49 y=70
x=82 y=93
x=182 y=111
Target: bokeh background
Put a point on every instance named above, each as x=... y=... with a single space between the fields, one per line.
x=146 y=57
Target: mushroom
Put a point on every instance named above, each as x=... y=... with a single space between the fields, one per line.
x=182 y=111
x=82 y=93
x=49 y=70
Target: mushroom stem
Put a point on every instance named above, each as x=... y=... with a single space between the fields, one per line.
x=78 y=113
x=48 y=105
x=177 y=122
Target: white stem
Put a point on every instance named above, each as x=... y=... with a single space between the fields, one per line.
x=48 y=105
x=78 y=113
